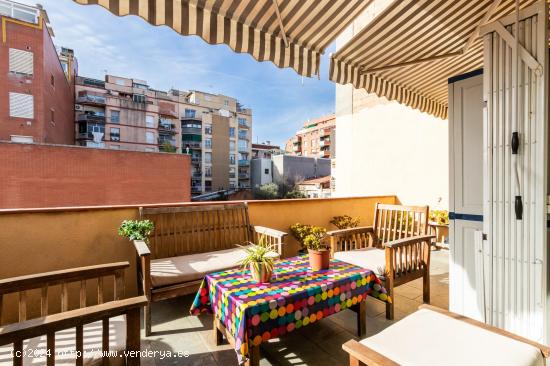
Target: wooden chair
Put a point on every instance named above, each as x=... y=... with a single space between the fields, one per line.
x=77 y=319
x=434 y=336
x=396 y=247
x=191 y=241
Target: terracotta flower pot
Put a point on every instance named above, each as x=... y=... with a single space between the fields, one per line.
x=260 y=273
x=319 y=259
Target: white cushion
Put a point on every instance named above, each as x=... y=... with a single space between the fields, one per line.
x=65 y=345
x=369 y=258
x=427 y=338
x=174 y=270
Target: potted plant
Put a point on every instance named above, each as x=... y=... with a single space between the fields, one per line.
x=345 y=222
x=319 y=254
x=439 y=220
x=259 y=260
x=136 y=229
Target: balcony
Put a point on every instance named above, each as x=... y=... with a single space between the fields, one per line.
x=91 y=99
x=243 y=123
x=197 y=174
x=244 y=176
x=192 y=144
x=196 y=160
x=96 y=118
x=25 y=13
x=191 y=130
x=195 y=189
x=324 y=142
x=166 y=127
x=326 y=132
x=168 y=112
x=173 y=328
x=244 y=137
x=244 y=162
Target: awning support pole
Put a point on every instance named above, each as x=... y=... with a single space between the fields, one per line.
x=280 y=22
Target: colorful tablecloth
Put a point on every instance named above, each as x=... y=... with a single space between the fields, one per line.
x=296 y=297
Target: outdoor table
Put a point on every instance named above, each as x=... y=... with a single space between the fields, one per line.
x=249 y=313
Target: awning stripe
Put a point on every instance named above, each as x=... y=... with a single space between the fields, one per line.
x=252 y=26
x=411 y=30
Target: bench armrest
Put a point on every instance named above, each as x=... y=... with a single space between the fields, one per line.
x=143 y=264
x=408 y=241
x=360 y=354
x=351 y=231
x=274 y=237
x=69 y=319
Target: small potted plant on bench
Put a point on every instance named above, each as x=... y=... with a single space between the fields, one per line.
x=136 y=229
x=259 y=259
x=319 y=253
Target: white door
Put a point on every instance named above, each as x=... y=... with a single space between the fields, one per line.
x=516 y=158
x=466 y=194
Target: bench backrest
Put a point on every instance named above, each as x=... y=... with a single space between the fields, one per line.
x=197 y=229
x=392 y=222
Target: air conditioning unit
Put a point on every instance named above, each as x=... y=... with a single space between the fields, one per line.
x=78 y=107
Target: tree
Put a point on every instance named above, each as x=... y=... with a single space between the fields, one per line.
x=268 y=191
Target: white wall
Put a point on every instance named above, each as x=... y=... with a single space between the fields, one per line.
x=386 y=148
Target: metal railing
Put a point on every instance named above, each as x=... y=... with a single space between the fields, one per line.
x=244 y=162
x=91 y=99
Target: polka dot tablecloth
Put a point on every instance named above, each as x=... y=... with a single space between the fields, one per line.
x=255 y=312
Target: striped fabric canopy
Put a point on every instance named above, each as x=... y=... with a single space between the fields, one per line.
x=252 y=26
x=408 y=52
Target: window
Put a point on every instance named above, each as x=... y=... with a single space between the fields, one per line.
x=150 y=137
x=207 y=143
x=190 y=113
x=226 y=103
x=115 y=116
x=242 y=122
x=150 y=121
x=21 y=62
x=231 y=158
x=115 y=134
x=231 y=131
x=231 y=145
x=208 y=157
x=232 y=185
x=208 y=129
x=138 y=98
x=243 y=145
x=52 y=81
x=52 y=115
x=243 y=134
x=21 y=105
x=266 y=171
x=207 y=171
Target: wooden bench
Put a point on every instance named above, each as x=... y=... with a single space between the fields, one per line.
x=79 y=325
x=396 y=244
x=190 y=241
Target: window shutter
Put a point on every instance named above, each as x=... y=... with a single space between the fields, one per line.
x=21 y=105
x=21 y=62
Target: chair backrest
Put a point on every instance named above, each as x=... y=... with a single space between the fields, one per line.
x=197 y=229
x=392 y=222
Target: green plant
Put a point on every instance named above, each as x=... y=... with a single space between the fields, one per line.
x=314 y=240
x=261 y=253
x=440 y=217
x=301 y=231
x=294 y=194
x=136 y=229
x=268 y=191
x=345 y=222
x=167 y=147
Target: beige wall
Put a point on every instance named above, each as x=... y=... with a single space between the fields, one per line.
x=220 y=152
x=35 y=241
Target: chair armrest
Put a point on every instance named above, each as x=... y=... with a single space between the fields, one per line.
x=407 y=241
x=141 y=248
x=274 y=237
x=262 y=230
x=351 y=231
x=365 y=355
x=69 y=319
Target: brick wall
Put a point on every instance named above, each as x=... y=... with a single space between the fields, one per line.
x=35 y=176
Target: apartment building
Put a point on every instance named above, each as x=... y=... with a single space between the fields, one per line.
x=37 y=93
x=265 y=150
x=315 y=139
x=126 y=114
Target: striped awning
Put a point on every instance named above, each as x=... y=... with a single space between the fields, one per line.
x=409 y=51
x=289 y=33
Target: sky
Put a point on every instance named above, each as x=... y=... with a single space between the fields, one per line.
x=128 y=46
